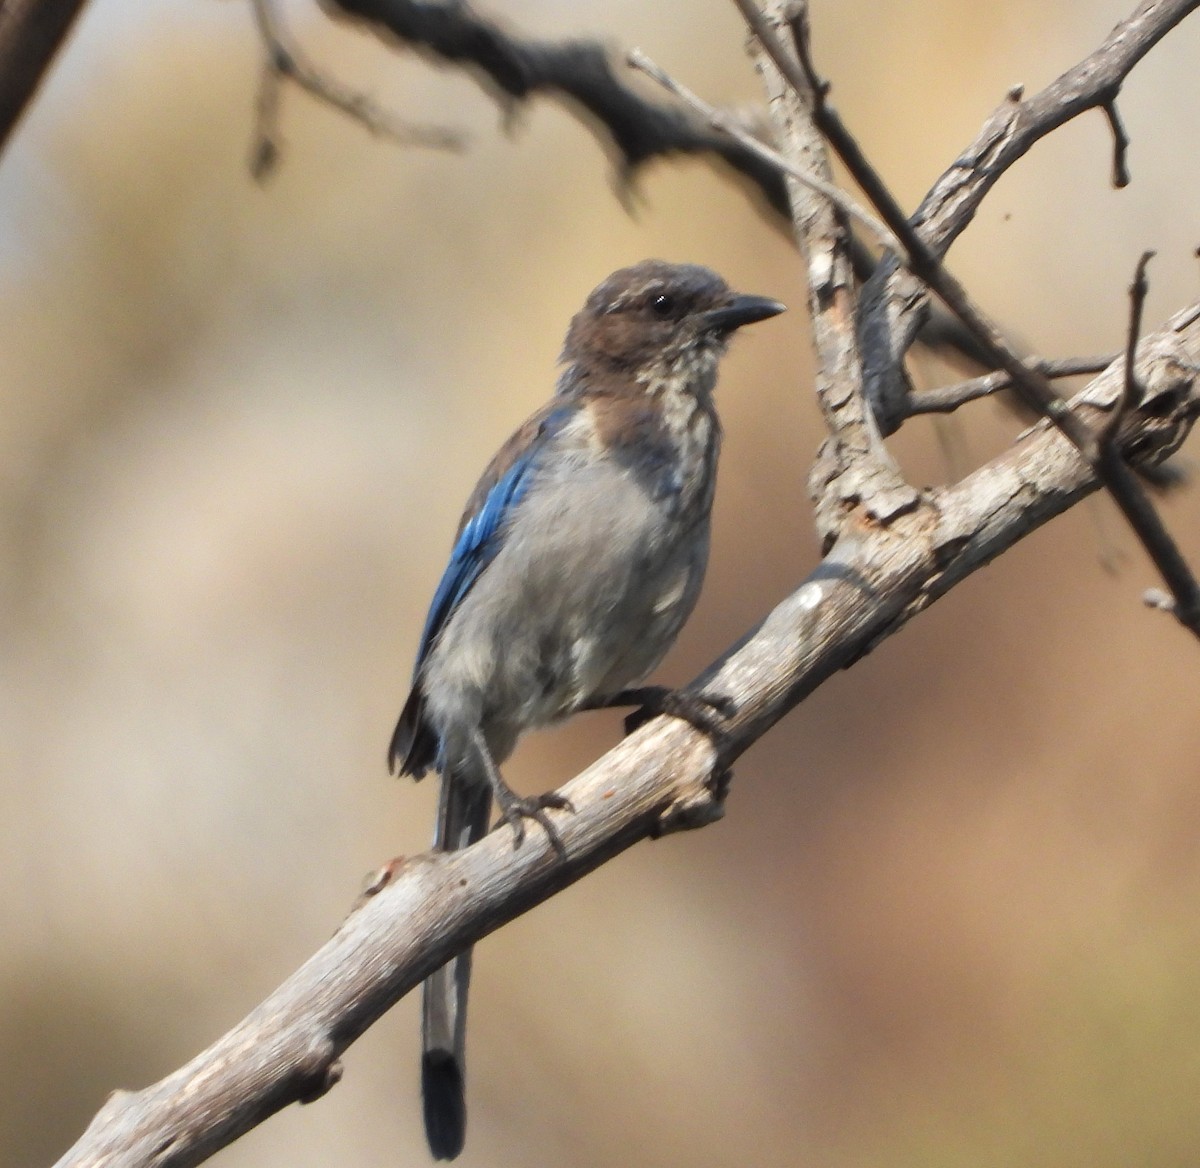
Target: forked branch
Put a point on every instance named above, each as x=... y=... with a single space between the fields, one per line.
x=794 y=64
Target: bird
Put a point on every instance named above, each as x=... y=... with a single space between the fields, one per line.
x=579 y=557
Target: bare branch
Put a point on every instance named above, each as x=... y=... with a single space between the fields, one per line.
x=724 y=124
x=283 y=61
x=1134 y=504
x=1027 y=378
x=1130 y=390
x=854 y=469
x=578 y=72
x=893 y=306
x=802 y=76
x=1120 y=164
x=580 y=75
x=1017 y=125
x=947 y=398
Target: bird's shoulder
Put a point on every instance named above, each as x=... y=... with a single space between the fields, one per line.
x=502 y=479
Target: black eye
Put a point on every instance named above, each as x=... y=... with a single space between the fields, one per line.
x=662 y=305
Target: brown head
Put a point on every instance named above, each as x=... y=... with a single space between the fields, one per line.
x=654 y=318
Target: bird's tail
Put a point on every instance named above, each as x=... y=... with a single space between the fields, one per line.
x=462 y=819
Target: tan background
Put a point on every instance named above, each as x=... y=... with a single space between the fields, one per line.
x=950 y=917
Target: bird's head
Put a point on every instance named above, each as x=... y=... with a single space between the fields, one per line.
x=655 y=320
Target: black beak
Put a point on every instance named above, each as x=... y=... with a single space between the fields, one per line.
x=739 y=311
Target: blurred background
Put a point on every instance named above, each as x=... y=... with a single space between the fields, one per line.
x=950 y=915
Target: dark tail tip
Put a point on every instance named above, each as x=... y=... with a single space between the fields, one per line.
x=445 y=1104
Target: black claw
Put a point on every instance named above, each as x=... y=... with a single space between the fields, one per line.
x=515 y=820
x=720 y=783
x=707 y=712
x=515 y=810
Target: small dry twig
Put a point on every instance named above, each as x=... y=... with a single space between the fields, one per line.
x=1130 y=390
x=283 y=62
x=1120 y=165
x=946 y=399
x=726 y=125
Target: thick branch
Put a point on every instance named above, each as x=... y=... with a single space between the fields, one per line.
x=853 y=468
x=287 y=1049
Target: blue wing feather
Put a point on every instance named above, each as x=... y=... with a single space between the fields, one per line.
x=481 y=534
x=475 y=548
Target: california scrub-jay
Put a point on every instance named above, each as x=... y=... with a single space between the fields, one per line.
x=578 y=559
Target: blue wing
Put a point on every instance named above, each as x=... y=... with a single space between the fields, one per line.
x=414 y=745
x=481 y=533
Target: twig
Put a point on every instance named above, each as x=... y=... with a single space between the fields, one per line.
x=1154 y=537
x=1130 y=390
x=1120 y=166
x=894 y=308
x=1017 y=125
x=1133 y=502
x=284 y=62
x=945 y=399
x=578 y=72
x=726 y=125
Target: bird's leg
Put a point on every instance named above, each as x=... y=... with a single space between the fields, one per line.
x=707 y=712
x=514 y=808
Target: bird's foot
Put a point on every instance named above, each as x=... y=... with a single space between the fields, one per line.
x=709 y=713
x=515 y=809
x=696 y=807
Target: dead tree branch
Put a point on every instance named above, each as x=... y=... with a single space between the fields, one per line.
x=809 y=93
x=579 y=72
x=724 y=124
x=284 y=63
x=948 y=398
x=581 y=75
x=894 y=302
